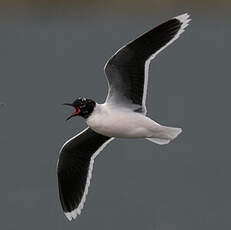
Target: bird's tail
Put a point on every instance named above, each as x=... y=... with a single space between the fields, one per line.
x=166 y=134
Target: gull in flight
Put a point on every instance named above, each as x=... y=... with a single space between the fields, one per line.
x=122 y=115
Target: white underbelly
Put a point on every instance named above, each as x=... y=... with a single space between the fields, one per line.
x=122 y=124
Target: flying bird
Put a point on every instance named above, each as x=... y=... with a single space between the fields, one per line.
x=122 y=115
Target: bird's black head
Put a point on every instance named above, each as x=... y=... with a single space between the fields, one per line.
x=83 y=107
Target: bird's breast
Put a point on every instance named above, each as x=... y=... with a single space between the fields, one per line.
x=119 y=124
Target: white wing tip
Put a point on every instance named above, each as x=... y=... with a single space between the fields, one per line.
x=72 y=215
x=184 y=19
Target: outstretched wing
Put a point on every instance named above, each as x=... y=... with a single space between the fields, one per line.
x=127 y=69
x=74 y=169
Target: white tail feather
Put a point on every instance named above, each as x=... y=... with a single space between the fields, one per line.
x=171 y=132
x=167 y=134
x=159 y=141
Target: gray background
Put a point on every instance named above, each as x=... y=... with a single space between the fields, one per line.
x=51 y=54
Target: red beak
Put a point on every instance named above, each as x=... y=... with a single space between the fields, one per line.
x=76 y=112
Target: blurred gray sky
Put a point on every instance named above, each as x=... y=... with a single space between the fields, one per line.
x=49 y=55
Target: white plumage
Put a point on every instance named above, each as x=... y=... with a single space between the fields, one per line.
x=123 y=114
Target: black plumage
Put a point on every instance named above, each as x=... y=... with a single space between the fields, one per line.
x=127 y=75
x=73 y=167
x=125 y=70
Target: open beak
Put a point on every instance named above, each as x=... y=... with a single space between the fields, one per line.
x=76 y=112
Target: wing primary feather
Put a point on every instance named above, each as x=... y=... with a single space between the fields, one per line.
x=127 y=69
x=74 y=169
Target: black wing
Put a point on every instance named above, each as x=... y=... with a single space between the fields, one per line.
x=74 y=169
x=127 y=69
